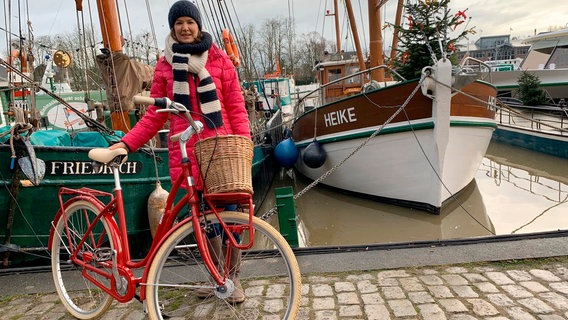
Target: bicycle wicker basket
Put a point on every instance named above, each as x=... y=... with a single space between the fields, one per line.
x=225 y=163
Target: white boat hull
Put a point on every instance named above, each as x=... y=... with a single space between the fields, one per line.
x=399 y=167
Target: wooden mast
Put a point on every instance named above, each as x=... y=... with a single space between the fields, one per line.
x=355 y=34
x=112 y=40
x=397 y=21
x=336 y=19
x=376 y=43
x=108 y=19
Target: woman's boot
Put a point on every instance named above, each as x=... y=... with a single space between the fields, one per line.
x=238 y=295
x=215 y=249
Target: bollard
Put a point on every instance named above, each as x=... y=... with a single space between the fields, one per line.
x=287 y=215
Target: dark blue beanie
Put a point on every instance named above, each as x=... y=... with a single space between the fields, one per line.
x=184 y=8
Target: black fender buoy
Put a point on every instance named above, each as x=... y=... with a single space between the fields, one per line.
x=314 y=155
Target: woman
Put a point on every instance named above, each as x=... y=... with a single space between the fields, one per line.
x=196 y=73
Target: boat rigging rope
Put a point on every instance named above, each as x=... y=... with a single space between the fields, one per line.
x=83 y=38
x=92 y=38
x=149 y=11
x=131 y=45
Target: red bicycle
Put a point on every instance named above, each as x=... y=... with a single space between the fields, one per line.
x=92 y=266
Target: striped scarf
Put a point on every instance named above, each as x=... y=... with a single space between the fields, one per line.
x=191 y=58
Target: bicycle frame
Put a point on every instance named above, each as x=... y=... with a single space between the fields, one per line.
x=121 y=264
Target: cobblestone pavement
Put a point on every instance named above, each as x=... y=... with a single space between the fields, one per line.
x=519 y=289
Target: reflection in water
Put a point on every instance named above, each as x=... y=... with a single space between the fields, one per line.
x=515 y=191
x=524 y=191
x=327 y=217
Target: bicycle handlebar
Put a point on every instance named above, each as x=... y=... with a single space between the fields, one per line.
x=167 y=105
x=158 y=102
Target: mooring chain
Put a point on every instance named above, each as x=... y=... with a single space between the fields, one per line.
x=273 y=211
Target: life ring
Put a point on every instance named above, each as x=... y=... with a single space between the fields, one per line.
x=231 y=48
x=22 y=57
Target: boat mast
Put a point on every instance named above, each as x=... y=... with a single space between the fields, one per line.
x=112 y=40
x=108 y=19
x=355 y=34
x=376 y=43
x=336 y=19
x=397 y=21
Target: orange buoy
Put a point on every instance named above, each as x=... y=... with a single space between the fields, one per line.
x=21 y=56
x=231 y=48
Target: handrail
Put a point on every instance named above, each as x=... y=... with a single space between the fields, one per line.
x=480 y=63
x=538 y=122
x=347 y=77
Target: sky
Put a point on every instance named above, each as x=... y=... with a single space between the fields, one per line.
x=520 y=18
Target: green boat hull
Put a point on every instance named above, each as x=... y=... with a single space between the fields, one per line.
x=28 y=210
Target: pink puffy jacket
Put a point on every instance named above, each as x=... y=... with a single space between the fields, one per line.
x=235 y=117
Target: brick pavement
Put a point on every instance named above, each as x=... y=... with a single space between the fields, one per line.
x=535 y=289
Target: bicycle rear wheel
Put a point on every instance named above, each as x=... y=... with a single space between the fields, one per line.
x=82 y=298
x=269 y=274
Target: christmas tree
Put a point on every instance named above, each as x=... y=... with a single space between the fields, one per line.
x=529 y=89
x=425 y=37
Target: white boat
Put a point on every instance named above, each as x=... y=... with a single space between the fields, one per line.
x=417 y=157
x=273 y=93
x=547 y=59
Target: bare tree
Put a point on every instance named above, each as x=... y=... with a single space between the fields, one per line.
x=246 y=43
x=143 y=48
x=271 y=42
x=310 y=48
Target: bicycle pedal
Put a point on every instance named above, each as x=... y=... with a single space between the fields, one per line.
x=103 y=254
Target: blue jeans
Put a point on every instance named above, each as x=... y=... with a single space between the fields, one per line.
x=216 y=228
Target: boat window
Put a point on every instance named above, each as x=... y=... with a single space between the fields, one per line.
x=333 y=74
x=350 y=71
x=559 y=59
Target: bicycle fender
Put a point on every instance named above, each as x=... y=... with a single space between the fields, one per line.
x=59 y=213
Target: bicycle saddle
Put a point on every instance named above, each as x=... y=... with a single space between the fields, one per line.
x=105 y=156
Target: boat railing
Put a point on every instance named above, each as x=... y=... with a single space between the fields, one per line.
x=472 y=65
x=546 y=119
x=300 y=103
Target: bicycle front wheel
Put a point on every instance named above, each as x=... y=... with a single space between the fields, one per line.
x=269 y=274
x=82 y=298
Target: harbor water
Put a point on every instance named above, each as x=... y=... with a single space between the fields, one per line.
x=515 y=191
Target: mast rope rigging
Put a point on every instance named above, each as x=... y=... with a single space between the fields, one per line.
x=213 y=20
x=83 y=39
x=149 y=11
x=131 y=42
x=118 y=15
